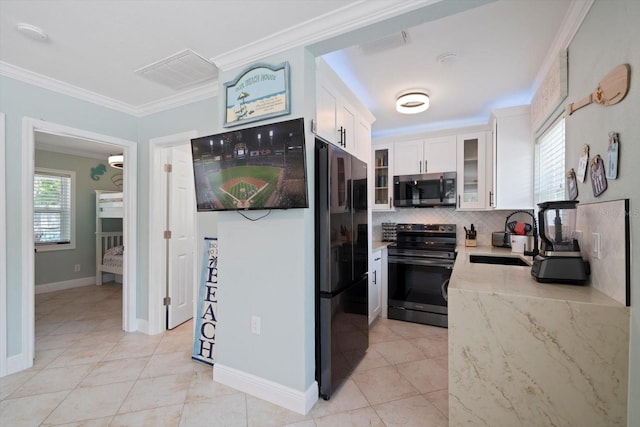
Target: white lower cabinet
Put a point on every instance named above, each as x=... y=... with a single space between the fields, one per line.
x=375 y=282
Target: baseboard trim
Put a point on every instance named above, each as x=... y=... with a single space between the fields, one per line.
x=143 y=326
x=17 y=363
x=66 y=284
x=294 y=400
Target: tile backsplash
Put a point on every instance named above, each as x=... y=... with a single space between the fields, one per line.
x=609 y=272
x=485 y=222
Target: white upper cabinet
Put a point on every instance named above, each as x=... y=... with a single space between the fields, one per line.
x=430 y=155
x=513 y=152
x=339 y=115
x=472 y=176
x=439 y=154
x=407 y=157
x=382 y=177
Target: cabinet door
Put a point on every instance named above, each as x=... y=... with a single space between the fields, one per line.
x=439 y=155
x=363 y=141
x=407 y=158
x=375 y=286
x=513 y=160
x=471 y=171
x=381 y=178
x=347 y=127
x=326 y=111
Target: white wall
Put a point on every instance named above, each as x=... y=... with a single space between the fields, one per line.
x=609 y=36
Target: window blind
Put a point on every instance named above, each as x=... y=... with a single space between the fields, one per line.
x=52 y=207
x=549 y=159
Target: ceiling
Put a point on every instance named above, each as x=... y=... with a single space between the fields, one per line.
x=93 y=48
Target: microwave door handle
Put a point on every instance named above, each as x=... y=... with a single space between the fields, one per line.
x=441 y=188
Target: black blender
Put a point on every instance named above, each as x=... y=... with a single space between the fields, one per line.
x=560 y=260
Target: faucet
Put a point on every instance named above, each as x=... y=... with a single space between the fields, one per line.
x=535 y=250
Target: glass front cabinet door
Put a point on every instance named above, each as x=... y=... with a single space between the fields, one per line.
x=471 y=171
x=382 y=178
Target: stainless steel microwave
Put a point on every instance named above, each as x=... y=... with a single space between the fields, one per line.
x=425 y=190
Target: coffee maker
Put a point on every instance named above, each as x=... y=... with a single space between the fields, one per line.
x=560 y=260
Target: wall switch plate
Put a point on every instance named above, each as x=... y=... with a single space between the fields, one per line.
x=76 y=268
x=595 y=245
x=255 y=325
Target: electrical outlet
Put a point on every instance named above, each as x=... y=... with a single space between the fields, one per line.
x=76 y=268
x=595 y=245
x=255 y=325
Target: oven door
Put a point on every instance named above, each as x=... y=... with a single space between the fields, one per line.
x=418 y=289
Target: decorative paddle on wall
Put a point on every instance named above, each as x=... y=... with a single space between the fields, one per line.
x=612 y=89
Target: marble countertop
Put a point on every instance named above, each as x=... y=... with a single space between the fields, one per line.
x=515 y=280
x=376 y=245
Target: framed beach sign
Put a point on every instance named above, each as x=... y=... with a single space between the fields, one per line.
x=261 y=91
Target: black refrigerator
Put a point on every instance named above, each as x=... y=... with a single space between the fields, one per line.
x=342 y=329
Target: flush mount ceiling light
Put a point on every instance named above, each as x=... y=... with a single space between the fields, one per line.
x=412 y=102
x=447 y=58
x=32 y=32
x=116 y=161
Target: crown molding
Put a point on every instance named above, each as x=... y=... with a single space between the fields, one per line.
x=184 y=97
x=348 y=18
x=199 y=93
x=571 y=22
x=36 y=79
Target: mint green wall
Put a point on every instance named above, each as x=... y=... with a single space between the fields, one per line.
x=200 y=116
x=19 y=100
x=267 y=266
x=609 y=36
x=58 y=266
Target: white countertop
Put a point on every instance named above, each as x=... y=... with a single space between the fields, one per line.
x=376 y=245
x=515 y=280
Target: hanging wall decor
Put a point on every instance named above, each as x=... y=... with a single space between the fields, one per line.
x=260 y=92
x=598 y=176
x=572 y=185
x=612 y=155
x=582 y=164
x=611 y=89
x=97 y=171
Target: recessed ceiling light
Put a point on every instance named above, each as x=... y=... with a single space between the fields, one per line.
x=32 y=31
x=447 y=58
x=412 y=102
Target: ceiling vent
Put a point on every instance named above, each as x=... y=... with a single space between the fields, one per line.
x=180 y=70
x=389 y=42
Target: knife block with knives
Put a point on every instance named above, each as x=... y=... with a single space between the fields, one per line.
x=470 y=236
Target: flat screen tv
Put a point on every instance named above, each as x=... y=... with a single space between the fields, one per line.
x=261 y=167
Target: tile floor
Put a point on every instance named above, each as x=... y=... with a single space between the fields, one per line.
x=87 y=372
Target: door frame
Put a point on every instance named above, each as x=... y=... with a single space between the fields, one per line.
x=129 y=148
x=157 y=210
x=3 y=255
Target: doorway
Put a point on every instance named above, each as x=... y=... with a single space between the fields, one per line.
x=128 y=148
x=173 y=273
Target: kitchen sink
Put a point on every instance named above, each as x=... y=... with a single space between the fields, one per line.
x=497 y=259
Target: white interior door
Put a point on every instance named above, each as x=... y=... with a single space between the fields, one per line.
x=181 y=244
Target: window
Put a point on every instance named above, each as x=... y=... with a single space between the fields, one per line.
x=54 y=209
x=549 y=164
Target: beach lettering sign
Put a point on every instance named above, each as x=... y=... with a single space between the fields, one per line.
x=259 y=92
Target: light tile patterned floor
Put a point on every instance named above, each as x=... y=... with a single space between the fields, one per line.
x=88 y=373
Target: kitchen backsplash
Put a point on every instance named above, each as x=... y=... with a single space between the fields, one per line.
x=609 y=272
x=485 y=222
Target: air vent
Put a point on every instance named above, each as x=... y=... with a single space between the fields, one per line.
x=386 y=43
x=180 y=70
